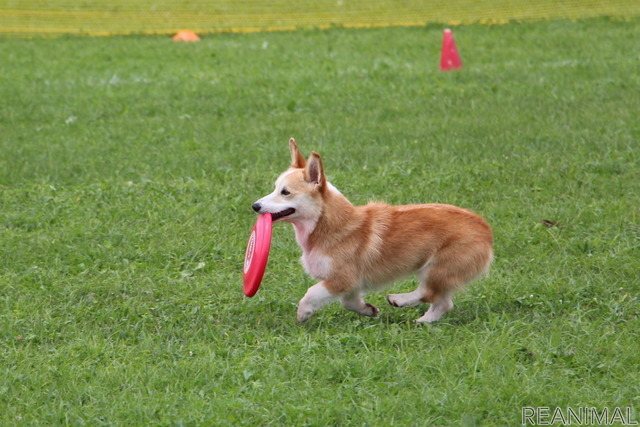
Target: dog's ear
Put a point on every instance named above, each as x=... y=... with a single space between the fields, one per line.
x=297 y=159
x=313 y=172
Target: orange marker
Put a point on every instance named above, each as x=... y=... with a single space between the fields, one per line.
x=186 y=36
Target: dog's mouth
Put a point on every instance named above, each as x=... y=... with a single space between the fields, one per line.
x=276 y=216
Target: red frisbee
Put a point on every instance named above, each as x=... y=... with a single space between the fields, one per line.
x=257 y=254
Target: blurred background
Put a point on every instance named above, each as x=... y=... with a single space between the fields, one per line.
x=20 y=18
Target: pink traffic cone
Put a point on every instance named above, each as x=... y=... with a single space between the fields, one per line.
x=449 y=59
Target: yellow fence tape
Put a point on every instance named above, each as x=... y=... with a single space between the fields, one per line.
x=28 y=18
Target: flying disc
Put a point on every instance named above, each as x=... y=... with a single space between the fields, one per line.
x=257 y=254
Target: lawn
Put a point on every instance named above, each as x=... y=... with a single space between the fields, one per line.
x=128 y=168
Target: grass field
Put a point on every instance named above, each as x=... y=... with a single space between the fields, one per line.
x=128 y=168
x=123 y=17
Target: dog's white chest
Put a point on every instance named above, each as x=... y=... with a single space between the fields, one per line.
x=316 y=265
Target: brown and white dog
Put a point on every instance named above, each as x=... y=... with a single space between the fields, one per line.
x=356 y=249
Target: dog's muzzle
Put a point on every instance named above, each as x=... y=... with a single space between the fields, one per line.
x=274 y=216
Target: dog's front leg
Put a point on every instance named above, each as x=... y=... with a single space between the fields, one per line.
x=316 y=297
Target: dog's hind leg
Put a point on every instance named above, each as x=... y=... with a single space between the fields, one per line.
x=451 y=270
x=411 y=299
x=438 y=287
x=353 y=301
x=437 y=309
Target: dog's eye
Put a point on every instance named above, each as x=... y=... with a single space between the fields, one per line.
x=285 y=192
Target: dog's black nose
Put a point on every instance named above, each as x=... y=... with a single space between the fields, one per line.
x=256 y=207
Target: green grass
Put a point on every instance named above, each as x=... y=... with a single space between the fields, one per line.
x=128 y=167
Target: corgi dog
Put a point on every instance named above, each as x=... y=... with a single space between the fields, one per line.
x=352 y=250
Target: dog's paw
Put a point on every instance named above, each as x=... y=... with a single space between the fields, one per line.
x=410 y=299
x=428 y=318
x=303 y=315
x=371 y=310
x=393 y=300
